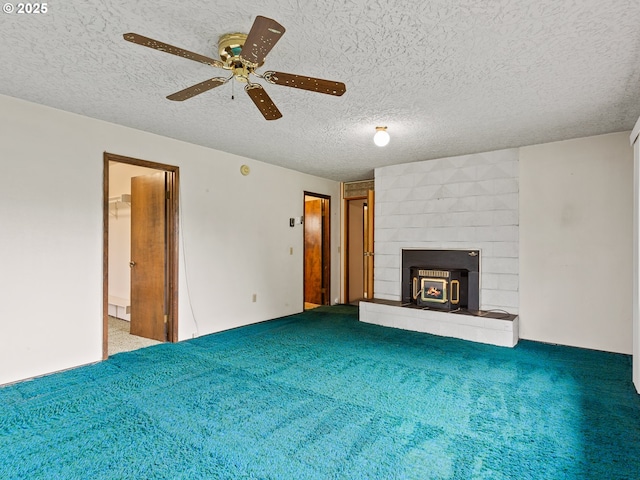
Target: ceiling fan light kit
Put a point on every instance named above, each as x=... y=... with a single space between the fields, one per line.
x=242 y=54
x=381 y=137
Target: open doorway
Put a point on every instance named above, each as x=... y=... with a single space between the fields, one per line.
x=140 y=253
x=317 y=250
x=359 y=229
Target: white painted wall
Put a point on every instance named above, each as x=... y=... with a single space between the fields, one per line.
x=635 y=141
x=235 y=236
x=576 y=201
x=467 y=202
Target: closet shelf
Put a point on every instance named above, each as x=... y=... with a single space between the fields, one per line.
x=119 y=202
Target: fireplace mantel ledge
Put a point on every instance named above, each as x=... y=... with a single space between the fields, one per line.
x=482 y=329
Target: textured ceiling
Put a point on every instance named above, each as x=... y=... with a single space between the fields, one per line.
x=446 y=77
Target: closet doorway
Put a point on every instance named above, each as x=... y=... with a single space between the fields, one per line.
x=140 y=254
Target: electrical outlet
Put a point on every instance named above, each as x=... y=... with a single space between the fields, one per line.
x=254 y=297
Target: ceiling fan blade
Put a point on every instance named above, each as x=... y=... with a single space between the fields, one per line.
x=262 y=101
x=164 y=47
x=197 y=89
x=262 y=37
x=306 y=83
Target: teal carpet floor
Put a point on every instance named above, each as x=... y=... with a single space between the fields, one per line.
x=320 y=396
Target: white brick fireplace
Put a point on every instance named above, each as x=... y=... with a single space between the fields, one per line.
x=468 y=202
x=459 y=203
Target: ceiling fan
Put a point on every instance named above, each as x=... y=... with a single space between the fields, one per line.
x=242 y=54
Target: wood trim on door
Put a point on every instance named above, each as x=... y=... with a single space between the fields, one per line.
x=369 y=244
x=173 y=182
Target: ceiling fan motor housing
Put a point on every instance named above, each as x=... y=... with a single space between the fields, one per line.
x=229 y=48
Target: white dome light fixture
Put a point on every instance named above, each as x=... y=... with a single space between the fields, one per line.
x=381 y=137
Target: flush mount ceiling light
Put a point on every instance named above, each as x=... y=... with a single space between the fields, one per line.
x=381 y=138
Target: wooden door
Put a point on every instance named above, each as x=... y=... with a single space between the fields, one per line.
x=148 y=256
x=355 y=249
x=317 y=253
x=368 y=245
x=313 y=250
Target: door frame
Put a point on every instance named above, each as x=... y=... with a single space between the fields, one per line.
x=369 y=244
x=171 y=283
x=326 y=248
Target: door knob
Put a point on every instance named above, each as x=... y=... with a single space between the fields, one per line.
x=132 y=264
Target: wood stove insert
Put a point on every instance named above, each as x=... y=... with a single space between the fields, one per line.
x=441 y=279
x=438 y=288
